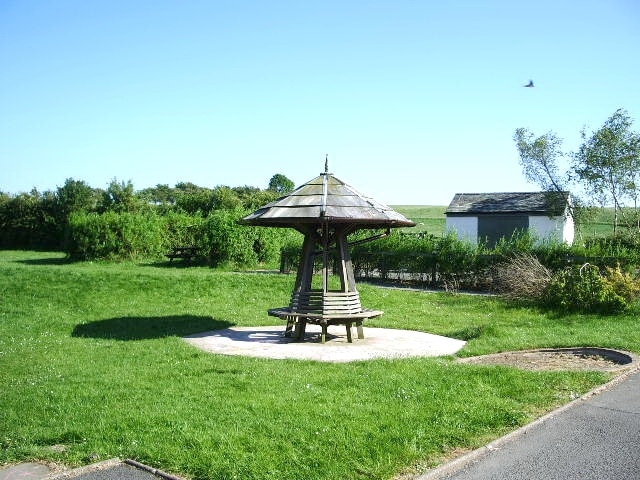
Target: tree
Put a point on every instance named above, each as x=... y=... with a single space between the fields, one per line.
x=608 y=164
x=161 y=194
x=224 y=198
x=120 y=197
x=539 y=159
x=281 y=184
x=76 y=195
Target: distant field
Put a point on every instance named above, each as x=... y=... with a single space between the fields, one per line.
x=431 y=219
x=428 y=218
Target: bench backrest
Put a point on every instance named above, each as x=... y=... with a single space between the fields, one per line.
x=326 y=303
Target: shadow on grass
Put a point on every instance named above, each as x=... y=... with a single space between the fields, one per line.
x=48 y=261
x=176 y=264
x=472 y=332
x=143 y=328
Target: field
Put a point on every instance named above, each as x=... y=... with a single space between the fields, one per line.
x=428 y=218
x=92 y=367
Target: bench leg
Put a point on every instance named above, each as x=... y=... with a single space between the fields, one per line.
x=323 y=337
x=300 y=328
x=349 y=338
x=360 y=330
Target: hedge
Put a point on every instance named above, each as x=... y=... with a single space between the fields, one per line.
x=449 y=262
x=218 y=236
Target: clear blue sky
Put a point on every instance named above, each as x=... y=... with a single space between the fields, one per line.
x=412 y=100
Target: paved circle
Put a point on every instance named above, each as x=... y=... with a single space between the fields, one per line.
x=269 y=342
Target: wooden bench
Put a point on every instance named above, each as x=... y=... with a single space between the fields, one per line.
x=185 y=253
x=324 y=309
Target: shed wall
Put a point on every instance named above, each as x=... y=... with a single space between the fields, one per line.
x=557 y=229
x=465 y=227
x=560 y=229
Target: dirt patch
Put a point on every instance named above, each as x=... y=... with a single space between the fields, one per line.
x=583 y=358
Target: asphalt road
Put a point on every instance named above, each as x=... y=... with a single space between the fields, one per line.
x=597 y=438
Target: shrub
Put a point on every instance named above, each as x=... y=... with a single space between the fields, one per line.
x=623 y=283
x=116 y=235
x=225 y=240
x=585 y=290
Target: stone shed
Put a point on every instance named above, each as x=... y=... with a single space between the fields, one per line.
x=489 y=217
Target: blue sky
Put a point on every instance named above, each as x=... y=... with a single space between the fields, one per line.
x=412 y=100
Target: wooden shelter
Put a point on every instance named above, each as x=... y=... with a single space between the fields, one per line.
x=326 y=210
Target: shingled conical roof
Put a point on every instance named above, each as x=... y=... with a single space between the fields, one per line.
x=327 y=199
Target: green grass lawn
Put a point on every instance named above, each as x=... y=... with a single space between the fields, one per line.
x=92 y=367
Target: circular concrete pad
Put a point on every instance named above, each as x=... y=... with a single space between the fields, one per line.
x=270 y=342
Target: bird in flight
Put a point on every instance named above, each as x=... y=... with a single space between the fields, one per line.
x=529 y=85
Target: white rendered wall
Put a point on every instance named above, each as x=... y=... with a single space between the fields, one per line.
x=465 y=227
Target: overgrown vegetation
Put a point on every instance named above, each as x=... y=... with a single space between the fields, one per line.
x=586 y=288
x=120 y=222
x=93 y=367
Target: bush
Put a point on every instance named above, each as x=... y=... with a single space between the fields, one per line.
x=585 y=290
x=225 y=240
x=623 y=283
x=116 y=235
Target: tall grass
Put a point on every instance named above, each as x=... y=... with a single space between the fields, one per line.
x=92 y=366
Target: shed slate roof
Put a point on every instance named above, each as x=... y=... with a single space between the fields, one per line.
x=326 y=198
x=535 y=203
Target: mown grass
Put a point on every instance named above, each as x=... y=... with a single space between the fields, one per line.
x=92 y=366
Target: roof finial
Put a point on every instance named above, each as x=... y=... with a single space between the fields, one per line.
x=326 y=163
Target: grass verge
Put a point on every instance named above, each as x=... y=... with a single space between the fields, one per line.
x=92 y=367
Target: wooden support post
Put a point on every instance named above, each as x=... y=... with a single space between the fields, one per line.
x=349 y=339
x=301 y=326
x=360 y=330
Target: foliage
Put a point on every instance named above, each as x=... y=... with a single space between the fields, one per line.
x=110 y=235
x=29 y=220
x=584 y=289
x=539 y=159
x=126 y=235
x=623 y=284
x=606 y=168
x=450 y=263
x=281 y=184
x=608 y=163
x=225 y=240
x=120 y=197
x=76 y=196
x=92 y=223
